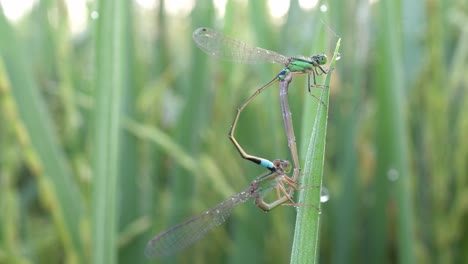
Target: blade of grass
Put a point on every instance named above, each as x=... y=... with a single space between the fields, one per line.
x=110 y=81
x=57 y=187
x=306 y=241
x=130 y=189
x=348 y=105
x=392 y=143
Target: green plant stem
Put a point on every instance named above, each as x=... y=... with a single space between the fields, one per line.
x=57 y=188
x=111 y=79
x=392 y=142
x=306 y=236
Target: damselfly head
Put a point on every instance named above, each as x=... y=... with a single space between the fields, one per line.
x=282 y=166
x=320 y=59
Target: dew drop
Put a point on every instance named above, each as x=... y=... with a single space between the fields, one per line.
x=393 y=175
x=338 y=56
x=323 y=8
x=94 y=15
x=324 y=195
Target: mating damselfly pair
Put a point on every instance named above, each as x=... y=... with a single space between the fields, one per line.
x=228 y=48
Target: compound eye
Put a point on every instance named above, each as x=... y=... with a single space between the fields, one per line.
x=322 y=59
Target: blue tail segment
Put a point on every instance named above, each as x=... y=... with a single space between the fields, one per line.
x=267 y=164
x=282 y=74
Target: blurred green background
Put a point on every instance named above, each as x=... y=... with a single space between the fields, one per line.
x=114 y=127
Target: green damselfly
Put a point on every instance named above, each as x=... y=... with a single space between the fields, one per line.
x=224 y=47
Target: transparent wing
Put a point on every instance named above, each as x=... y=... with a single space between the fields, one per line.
x=228 y=48
x=185 y=234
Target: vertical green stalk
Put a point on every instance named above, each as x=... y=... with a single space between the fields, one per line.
x=57 y=188
x=306 y=236
x=129 y=187
x=348 y=105
x=392 y=143
x=110 y=82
